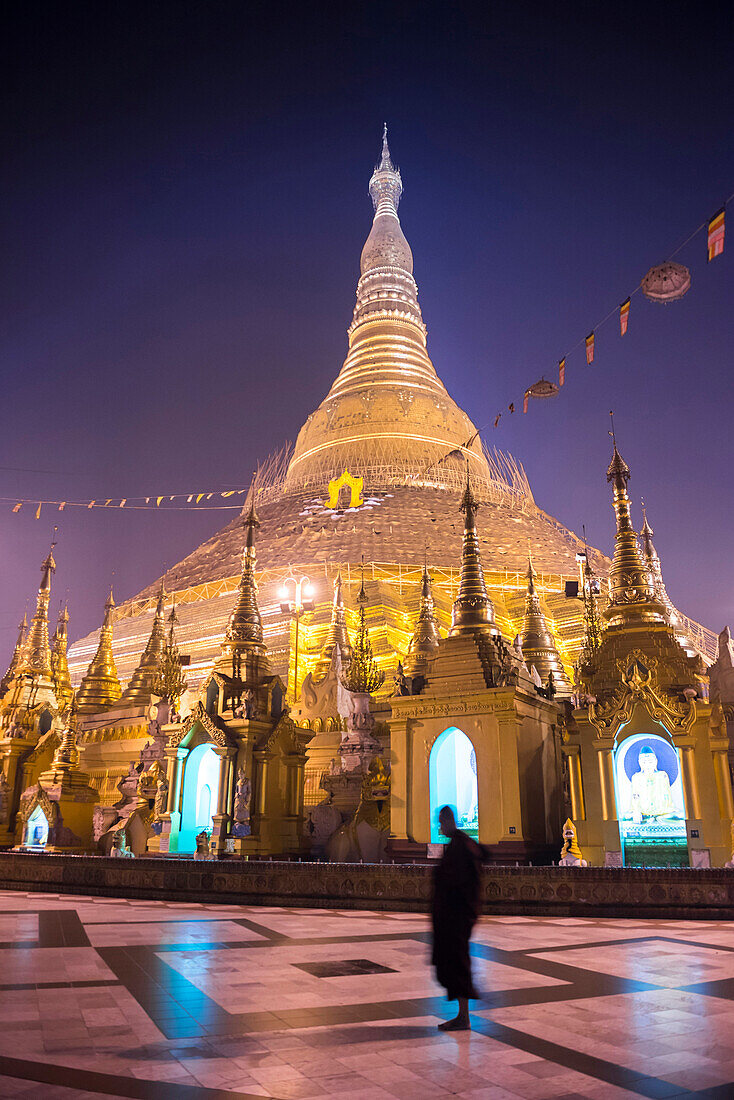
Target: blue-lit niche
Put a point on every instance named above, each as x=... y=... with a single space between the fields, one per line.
x=452 y=778
x=650 y=802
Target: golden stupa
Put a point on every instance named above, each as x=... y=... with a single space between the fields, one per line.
x=376 y=475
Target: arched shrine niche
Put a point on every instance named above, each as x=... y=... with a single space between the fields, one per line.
x=37 y=829
x=452 y=778
x=650 y=802
x=200 y=794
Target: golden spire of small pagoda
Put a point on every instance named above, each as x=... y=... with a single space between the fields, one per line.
x=363 y=676
x=59 y=662
x=652 y=561
x=426 y=636
x=632 y=596
x=140 y=688
x=337 y=636
x=473 y=612
x=171 y=683
x=37 y=651
x=538 y=645
x=100 y=686
x=17 y=659
x=243 y=639
x=66 y=757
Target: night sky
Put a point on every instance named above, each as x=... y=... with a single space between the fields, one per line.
x=184 y=201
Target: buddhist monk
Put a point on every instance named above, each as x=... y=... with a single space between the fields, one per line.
x=455 y=911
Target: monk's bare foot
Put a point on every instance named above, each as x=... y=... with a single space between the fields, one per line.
x=459 y=1023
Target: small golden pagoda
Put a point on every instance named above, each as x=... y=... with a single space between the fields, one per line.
x=645 y=753
x=140 y=688
x=55 y=813
x=426 y=635
x=100 y=687
x=337 y=637
x=538 y=645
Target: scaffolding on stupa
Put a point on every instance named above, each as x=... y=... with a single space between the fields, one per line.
x=383 y=466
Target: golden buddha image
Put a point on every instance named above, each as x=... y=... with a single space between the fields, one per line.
x=651 y=796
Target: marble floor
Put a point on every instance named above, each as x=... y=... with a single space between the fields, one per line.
x=102 y=997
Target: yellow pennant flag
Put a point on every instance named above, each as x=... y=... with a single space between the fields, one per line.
x=91 y=504
x=108 y=502
x=230 y=493
x=38 y=512
x=18 y=506
x=158 y=501
x=200 y=495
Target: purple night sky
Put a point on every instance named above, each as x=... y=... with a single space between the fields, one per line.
x=185 y=201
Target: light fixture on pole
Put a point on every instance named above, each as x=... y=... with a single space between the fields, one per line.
x=297 y=607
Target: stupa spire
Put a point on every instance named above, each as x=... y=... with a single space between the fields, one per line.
x=337 y=636
x=59 y=661
x=426 y=636
x=243 y=639
x=652 y=561
x=473 y=611
x=100 y=687
x=631 y=589
x=37 y=651
x=140 y=688
x=363 y=676
x=538 y=645
x=387 y=416
x=17 y=659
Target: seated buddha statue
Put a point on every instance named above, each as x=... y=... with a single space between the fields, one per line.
x=651 y=793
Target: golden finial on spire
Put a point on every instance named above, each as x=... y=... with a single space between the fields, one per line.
x=337 y=636
x=426 y=636
x=243 y=639
x=100 y=687
x=631 y=591
x=37 y=652
x=538 y=644
x=473 y=611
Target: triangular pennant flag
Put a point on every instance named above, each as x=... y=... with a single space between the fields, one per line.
x=511 y=406
x=158 y=501
x=147 y=500
x=624 y=313
x=123 y=502
x=199 y=496
x=189 y=498
x=590 y=348
x=171 y=498
x=497 y=419
x=525 y=401
x=229 y=493
x=38 y=512
x=108 y=502
x=562 y=371
x=62 y=505
x=716 y=234
x=91 y=504
x=17 y=507
x=209 y=496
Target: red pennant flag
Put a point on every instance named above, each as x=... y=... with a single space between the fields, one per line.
x=716 y=234
x=91 y=504
x=17 y=507
x=590 y=348
x=511 y=406
x=497 y=419
x=525 y=401
x=624 y=313
x=562 y=371
x=62 y=505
